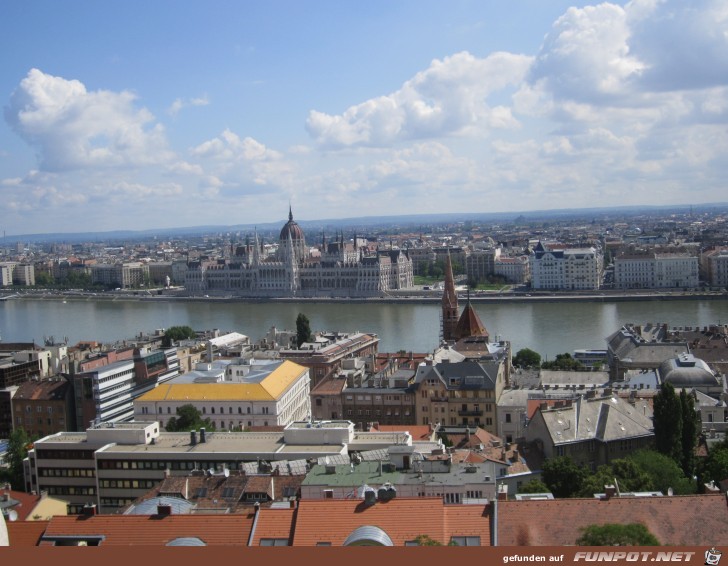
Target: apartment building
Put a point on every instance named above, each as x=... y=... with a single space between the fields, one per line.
x=105 y=393
x=463 y=393
x=44 y=407
x=653 y=270
x=124 y=275
x=557 y=267
x=714 y=267
x=513 y=269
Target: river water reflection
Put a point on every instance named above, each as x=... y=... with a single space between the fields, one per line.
x=548 y=328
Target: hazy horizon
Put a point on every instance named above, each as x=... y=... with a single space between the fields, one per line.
x=136 y=116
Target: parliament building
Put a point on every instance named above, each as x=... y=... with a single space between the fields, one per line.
x=336 y=269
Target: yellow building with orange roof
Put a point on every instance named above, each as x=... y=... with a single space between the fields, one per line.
x=275 y=394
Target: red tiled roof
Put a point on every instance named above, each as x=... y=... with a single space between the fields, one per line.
x=700 y=520
x=25 y=533
x=155 y=529
x=273 y=523
x=403 y=519
x=469 y=324
x=26 y=502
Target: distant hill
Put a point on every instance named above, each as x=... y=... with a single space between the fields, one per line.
x=412 y=221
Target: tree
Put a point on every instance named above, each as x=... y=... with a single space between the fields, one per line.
x=663 y=471
x=427 y=540
x=690 y=428
x=188 y=418
x=303 y=329
x=534 y=486
x=715 y=467
x=176 y=333
x=563 y=362
x=627 y=473
x=612 y=534
x=17 y=451
x=563 y=477
x=526 y=358
x=667 y=418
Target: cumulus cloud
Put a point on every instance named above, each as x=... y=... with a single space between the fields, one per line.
x=229 y=146
x=73 y=128
x=586 y=55
x=609 y=54
x=449 y=97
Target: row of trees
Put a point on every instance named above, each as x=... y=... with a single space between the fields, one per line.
x=527 y=358
x=645 y=470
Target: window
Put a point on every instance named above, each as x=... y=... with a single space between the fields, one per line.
x=228 y=492
x=466 y=541
x=274 y=542
x=323 y=544
x=411 y=543
x=508 y=417
x=318 y=402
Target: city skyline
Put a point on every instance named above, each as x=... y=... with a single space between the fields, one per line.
x=135 y=117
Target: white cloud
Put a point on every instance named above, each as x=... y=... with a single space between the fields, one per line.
x=229 y=147
x=586 y=55
x=448 y=98
x=73 y=128
x=180 y=103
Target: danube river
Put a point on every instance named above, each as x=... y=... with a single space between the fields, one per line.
x=548 y=328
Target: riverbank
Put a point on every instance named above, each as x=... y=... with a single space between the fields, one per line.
x=399 y=297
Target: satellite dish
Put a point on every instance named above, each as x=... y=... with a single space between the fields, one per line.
x=226 y=472
x=12 y=515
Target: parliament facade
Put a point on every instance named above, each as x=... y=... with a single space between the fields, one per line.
x=337 y=269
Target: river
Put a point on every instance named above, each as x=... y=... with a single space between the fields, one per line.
x=548 y=328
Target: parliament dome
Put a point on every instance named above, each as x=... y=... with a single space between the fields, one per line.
x=291 y=229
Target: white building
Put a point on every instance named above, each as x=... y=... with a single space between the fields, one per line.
x=274 y=394
x=554 y=266
x=650 y=270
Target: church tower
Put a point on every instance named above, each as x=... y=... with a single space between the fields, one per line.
x=449 y=303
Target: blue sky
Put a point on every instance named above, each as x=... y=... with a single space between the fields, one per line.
x=135 y=115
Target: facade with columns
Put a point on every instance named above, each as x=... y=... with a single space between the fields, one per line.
x=341 y=268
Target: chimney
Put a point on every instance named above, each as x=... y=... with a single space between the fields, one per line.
x=193 y=437
x=89 y=510
x=609 y=492
x=202 y=434
x=164 y=510
x=502 y=492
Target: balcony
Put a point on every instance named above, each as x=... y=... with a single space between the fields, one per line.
x=471 y=413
